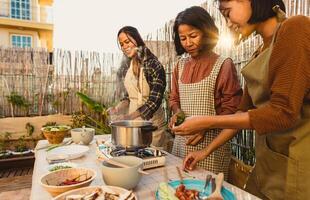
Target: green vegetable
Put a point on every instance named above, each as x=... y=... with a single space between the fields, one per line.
x=166 y=192
x=54 y=146
x=180 y=118
x=56 y=128
x=59 y=167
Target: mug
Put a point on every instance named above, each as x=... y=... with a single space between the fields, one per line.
x=84 y=135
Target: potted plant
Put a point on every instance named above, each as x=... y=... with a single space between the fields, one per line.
x=55 y=134
x=18 y=101
x=21 y=147
x=4 y=152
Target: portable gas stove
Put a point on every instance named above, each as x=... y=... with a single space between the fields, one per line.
x=151 y=157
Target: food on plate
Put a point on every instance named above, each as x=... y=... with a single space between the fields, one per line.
x=75 y=180
x=166 y=192
x=62 y=165
x=100 y=194
x=59 y=167
x=186 y=194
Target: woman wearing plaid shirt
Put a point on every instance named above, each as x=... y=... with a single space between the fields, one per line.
x=144 y=80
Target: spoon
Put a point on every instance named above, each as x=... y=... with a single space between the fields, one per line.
x=118 y=164
x=216 y=195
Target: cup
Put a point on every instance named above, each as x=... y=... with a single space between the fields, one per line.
x=84 y=135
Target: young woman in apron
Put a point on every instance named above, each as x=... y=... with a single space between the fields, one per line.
x=276 y=101
x=144 y=81
x=203 y=83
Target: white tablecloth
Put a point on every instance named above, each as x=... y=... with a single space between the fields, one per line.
x=145 y=189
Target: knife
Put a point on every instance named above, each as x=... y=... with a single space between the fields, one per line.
x=213 y=184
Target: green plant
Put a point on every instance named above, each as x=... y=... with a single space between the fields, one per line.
x=30 y=129
x=99 y=124
x=21 y=144
x=5 y=137
x=78 y=119
x=18 y=100
x=91 y=104
x=2 y=146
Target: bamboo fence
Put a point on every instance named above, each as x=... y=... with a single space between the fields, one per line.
x=49 y=81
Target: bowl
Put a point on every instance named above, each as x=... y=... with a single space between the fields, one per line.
x=55 y=134
x=52 y=181
x=84 y=135
x=91 y=189
x=115 y=175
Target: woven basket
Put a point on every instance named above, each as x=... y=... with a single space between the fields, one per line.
x=55 y=137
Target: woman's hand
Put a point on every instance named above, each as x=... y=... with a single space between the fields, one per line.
x=190 y=161
x=191 y=126
x=174 y=119
x=124 y=117
x=195 y=139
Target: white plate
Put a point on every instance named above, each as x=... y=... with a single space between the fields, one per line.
x=69 y=164
x=73 y=151
x=21 y=152
x=90 y=189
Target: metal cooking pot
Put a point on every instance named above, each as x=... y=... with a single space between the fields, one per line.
x=132 y=133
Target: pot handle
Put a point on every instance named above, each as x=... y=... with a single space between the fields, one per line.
x=149 y=128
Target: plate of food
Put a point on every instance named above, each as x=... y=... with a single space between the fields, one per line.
x=167 y=191
x=98 y=193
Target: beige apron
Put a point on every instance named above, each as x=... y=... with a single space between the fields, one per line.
x=138 y=92
x=198 y=99
x=282 y=169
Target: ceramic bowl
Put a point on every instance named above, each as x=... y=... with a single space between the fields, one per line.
x=127 y=178
x=84 y=135
x=52 y=180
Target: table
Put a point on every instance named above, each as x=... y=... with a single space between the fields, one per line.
x=146 y=187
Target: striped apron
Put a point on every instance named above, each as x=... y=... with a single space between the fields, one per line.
x=198 y=99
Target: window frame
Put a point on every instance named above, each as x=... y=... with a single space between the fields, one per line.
x=21 y=40
x=18 y=14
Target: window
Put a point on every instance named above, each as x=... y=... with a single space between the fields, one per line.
x=20 y=9
x=21 y=41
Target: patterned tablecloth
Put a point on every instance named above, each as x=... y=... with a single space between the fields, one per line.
x=145 y=189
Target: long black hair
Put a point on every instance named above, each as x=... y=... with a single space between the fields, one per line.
x=262 y=10
x=133 y=33
x=144 y=53
x=199 y=18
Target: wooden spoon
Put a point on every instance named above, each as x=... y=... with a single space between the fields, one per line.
x=118 y=164
x=216 y=195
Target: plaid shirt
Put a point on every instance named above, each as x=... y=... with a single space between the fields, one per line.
x=155 y=77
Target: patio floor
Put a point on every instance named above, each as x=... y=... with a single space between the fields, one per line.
x=22 y=194
x=15 y=183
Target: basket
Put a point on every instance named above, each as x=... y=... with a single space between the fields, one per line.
x=55 y=137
